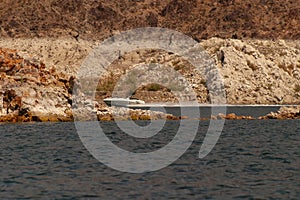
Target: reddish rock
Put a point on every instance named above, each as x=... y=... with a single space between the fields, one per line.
x=231 y=116
x=11 y=102
x=27 y=84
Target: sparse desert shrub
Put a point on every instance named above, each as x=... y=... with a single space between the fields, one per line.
x=178 y=67
x=286 y=68
x=297 y=88
x=107 y=84
x=269 y=86
x=203 y=82
x=153 y=87
x=290 y=67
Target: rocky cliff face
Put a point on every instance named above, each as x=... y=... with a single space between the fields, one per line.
x=253 y=71
x=258 y=71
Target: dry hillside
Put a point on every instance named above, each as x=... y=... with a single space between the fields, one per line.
x=201 y=19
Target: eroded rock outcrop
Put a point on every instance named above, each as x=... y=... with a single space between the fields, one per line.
x=29 y=89
x=11 y=101
x=258 y=71
x=254 y=72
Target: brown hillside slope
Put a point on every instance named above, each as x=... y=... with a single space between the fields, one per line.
x=201 y=19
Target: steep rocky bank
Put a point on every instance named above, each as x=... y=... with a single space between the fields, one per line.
x=258 y=71
x=254 y=71
x=40 y=74
x=30 y=91
x=255 y=45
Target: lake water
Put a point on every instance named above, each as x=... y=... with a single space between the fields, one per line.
x=206 y=110
x=256 y=159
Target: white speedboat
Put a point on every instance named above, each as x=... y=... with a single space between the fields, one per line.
x=122 y=101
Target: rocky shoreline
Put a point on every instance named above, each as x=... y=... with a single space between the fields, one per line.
x=285 y=113
x=255 y=46
x=37 y=78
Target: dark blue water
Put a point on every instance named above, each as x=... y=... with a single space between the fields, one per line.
x=252 y=160
x=206 y=111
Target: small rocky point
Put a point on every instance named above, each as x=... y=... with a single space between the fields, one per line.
x=31 y=92
x=292 y=112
